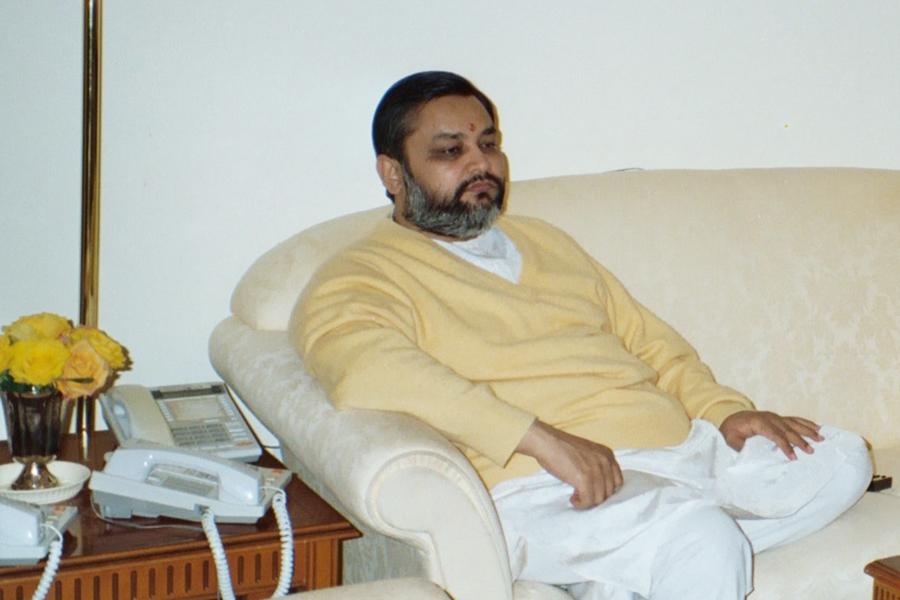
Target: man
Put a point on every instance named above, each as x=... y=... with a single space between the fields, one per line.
x=502 y=333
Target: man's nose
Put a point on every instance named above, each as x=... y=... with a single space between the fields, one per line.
x=479 y=161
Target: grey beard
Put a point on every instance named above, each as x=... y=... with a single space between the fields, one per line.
x=449 y=217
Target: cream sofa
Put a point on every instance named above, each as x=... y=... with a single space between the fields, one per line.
x=786 y=280
x=389 y=589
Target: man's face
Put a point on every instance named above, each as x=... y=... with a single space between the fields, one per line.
x=454 y=175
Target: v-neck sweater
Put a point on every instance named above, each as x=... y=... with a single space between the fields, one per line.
x=396 y=322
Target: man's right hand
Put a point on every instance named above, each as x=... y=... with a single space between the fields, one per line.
x=588 y=467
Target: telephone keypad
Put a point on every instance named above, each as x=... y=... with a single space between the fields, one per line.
x=201 y=435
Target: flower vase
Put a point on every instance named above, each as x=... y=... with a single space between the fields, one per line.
x=33 y=428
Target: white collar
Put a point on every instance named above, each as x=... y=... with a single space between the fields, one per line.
x=492 y=251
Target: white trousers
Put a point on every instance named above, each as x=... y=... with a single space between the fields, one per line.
x=687 y=520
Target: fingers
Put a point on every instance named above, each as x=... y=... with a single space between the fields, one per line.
x=782 y=442
x=611 y=480
x=596 y=475
x=595 y=483
x=806 y=428
x=789 y=433
x=586 y=494
x=612 y=475
x=787 y=440
x=617 y=479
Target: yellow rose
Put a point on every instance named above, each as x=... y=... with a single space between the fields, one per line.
x=42 y=325
x=5 y=352
x=111 y=351
x=84 y=363
x=37 y=362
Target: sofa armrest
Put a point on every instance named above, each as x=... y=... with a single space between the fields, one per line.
x=391 y=472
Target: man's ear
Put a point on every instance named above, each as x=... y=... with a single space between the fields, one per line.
x=391 y=173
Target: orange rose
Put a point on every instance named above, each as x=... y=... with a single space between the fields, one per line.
x=111 y=351
x=84 y=363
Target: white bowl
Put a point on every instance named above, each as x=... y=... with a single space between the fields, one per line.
x=71 y=478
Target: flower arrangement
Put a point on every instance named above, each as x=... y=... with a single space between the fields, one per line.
x=46 y=351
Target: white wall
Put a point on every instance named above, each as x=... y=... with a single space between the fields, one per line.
x=229 y=125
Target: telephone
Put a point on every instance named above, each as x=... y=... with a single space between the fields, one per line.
x=25 y=534
x=150 y=480
x=200 y=416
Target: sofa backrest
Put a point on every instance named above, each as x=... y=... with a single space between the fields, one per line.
x=786 y=280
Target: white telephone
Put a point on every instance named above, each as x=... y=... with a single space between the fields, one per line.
x=25 y=533
x=200 y=416
x=27 y=536
x=146 y=479
x=149 y=480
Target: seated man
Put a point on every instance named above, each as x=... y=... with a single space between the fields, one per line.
x=617 y=463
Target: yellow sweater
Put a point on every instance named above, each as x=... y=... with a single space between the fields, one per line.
x=397 y=323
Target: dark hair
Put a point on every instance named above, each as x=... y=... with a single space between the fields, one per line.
x=390 y=125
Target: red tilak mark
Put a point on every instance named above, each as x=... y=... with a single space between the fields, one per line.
x=471 y=126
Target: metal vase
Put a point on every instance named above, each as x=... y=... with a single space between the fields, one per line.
x=33 y=427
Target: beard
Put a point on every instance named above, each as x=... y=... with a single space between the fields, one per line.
x=450 y=216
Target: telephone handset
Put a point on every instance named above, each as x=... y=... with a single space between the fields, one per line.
x=25 y=536
x=149 y=480
x=197 y=416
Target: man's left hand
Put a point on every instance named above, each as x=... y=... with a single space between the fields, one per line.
x=787 y=432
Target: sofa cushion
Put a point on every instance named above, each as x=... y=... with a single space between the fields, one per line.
x=829 y=563
x=387 y=589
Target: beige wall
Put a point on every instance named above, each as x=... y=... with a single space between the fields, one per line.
x=228 y=125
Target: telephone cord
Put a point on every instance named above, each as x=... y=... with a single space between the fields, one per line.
x=208 y=520
x=53 y=557
x=279 y=506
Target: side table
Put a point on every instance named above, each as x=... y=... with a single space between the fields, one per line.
x=886 y=572
x=103 y=561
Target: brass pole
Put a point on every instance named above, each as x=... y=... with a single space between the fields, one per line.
x=90 y=162
x=90 y=194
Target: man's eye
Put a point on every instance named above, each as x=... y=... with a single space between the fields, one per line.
x=491 y=145
x=451 y=151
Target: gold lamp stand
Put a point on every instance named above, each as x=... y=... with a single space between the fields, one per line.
x=90 y=191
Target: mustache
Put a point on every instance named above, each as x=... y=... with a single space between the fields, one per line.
x=461 y=189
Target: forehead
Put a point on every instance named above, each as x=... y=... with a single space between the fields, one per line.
x=451 y=114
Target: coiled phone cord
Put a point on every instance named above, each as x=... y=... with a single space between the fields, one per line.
x=53 y=557
x=279 y=505
x=223 y=574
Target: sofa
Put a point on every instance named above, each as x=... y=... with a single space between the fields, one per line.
x=409 y=588
x=787 y=281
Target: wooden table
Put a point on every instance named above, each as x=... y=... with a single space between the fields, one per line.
x=886 y=572
x=103 y=561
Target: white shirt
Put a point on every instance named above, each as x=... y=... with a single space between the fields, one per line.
x=492 y=251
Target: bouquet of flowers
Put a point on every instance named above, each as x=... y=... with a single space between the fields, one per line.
x=45 y=351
